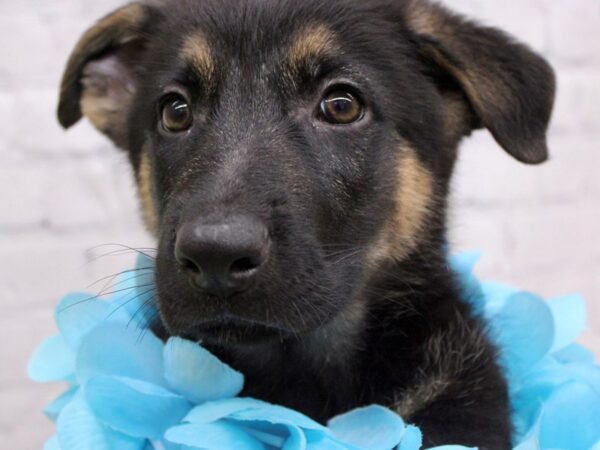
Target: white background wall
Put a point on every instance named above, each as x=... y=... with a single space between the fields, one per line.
x=63 y=193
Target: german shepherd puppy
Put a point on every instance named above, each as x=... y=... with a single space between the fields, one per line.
x=293 y=159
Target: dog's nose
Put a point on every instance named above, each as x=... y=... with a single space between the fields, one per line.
x=223 y=258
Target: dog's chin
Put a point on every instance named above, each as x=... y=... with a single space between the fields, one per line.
x=232 y=332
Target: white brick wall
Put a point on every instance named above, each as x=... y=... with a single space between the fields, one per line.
x=64 y=193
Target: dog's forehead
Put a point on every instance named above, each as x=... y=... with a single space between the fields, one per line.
x=258 y=31
x=310 y=44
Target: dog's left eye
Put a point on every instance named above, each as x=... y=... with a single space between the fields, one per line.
x=341 y=107
x=176 y=114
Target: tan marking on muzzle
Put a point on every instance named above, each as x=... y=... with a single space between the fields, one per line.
x=197 y=52
x=413 y=200
x=309 y=43
x=146 y=193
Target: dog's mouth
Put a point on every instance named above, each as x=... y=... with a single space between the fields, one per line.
x=232 y=331
x=290 y=293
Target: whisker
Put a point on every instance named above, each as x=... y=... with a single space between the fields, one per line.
x=146 y=304
x=125 y=249
x=100 y=294
x=152 y=289
x=110 y=278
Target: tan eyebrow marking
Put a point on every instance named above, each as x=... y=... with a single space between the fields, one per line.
x=197 y=52
x=311 y=42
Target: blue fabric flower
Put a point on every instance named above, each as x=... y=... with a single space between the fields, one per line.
x=554 y=384
x=128 y=390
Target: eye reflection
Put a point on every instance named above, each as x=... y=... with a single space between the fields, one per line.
x=176 y=114
x=341 y=107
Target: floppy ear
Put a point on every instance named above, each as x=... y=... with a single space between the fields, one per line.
x=509 y=87
x=101 y=77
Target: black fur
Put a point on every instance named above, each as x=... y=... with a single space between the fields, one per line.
x=324 y=330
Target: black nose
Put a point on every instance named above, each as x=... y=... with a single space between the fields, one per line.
x=224 y=257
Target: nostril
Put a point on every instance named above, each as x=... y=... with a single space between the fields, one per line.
x=190 y=265
x=243 y=266
x=222 y=257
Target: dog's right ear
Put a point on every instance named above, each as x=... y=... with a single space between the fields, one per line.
x=509 y=88
x=101 y=75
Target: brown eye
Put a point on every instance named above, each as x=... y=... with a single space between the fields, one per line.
x=176 y=114
x=341 y=107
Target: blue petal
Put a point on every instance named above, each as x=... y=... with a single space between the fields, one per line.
x=464 y=263
x=412 y=439
x=571 y=418
x=532 y=440
x=77 y=314
x=195 y=373
x=215 y=436
x=452 y=447
x=329 y=443
x=52 y=444
x=296 y=439
x=496 y=295
x=78 y=429
x=569 y=314
x=523 y=345
x=162 y=444
x=53 y=360
x=276 y=414
x=113 y=349
x=276 y=435
x=370 y=428
x=549 y=377
x=271 y=424
x=53 y=409
x=272 y=435
x=134 y=407
x=219 y=409
x=575 y=353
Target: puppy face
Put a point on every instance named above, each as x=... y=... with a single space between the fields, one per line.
x=286 y=151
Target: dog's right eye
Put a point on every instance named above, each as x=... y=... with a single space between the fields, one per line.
x=176 y=114
x=341 y=107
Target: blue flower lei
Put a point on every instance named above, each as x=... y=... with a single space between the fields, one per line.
x=128 y=390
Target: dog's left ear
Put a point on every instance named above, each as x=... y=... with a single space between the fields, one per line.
x=509 y=87
x=101 y=76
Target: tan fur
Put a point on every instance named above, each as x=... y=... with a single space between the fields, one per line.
x=99 y=110
x=311 y=42
x=196 y=50
x=107 y=112
x=458 y=117
x=119 y=27
x=425 y=18
x=413 y=200
x=435 y=22
x=146 y=193
x=477 y=86
x=450 y=354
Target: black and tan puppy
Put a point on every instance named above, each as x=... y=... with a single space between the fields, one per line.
x=293 y=159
